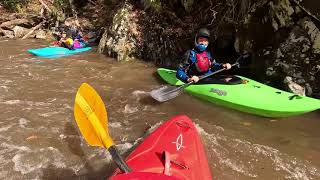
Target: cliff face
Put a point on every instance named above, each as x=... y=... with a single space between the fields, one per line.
x=161 y=31
x=282 y=35
x=285 y=41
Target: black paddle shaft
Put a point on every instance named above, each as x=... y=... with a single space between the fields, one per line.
x=208 y=75
x=170 y=92
x=118 y=160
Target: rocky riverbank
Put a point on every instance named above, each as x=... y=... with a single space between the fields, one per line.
x=43 y=19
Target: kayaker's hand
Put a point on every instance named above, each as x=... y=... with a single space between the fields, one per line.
x=193 y=79
x=226 y=66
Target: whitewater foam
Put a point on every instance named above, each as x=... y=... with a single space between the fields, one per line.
x=226 y=149
x=129 y=110
x=32 y=161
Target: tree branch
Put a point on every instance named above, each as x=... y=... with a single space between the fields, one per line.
x=45 y=5
x=13 y=22
x=306 y=11
x=33 y=29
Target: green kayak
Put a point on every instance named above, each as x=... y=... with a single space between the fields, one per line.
x=250 y=96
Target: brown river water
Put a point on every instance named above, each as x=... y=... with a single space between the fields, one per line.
x=40 y=140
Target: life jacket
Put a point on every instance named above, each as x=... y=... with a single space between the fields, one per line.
x=69 y=41
x=202 y=62
x=76 y=44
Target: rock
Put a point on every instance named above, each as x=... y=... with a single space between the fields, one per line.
x=305 y=48
x=308 y=89
x=312 y=78
x=72 y=22
x=279 y=54
x=285 y=67
x=155 y=4
x=270 y=71
x=20 y=31
x=120 y=40
x=301 y=81
x=187 y=4
x=314 y=34
x=41 y=34
x=298 y=75
x=294 y=87
x=8 y=33
x=307 y=61
x=61 y=16
x=280 y=13
x=287 y=79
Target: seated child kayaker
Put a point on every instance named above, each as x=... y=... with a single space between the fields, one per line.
x=199 y=61
x=65 y=41
x=78 y=40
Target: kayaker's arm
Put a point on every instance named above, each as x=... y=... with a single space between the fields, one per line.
x=188 y=59
x=214 y=65
x=181 y=74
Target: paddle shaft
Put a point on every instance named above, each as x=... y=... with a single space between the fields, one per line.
x=208 y=75
x=170 y=92
x=118 y=160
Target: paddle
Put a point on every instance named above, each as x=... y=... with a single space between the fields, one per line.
x=169 y=92
x=91 y=116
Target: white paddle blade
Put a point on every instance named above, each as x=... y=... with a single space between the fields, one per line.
x=166 y=93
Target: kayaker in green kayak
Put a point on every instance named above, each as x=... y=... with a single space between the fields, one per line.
x=198 y=61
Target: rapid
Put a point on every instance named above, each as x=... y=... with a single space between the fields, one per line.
x=39 y=138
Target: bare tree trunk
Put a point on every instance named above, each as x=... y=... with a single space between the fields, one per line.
x=45 y=5
x=306 y=11
x=13 y=22
x=74 y=13
x=33 y=29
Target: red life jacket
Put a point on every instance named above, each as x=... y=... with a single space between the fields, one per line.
x=202 y=62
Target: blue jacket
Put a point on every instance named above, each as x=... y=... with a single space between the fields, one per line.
x=187 y=69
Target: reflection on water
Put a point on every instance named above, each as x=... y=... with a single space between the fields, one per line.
x=40 y=140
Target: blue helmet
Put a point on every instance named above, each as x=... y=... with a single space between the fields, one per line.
x=203 y=32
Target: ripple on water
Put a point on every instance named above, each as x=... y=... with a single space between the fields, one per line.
x=27 y=162
x=138 y=94
x=129 y=110
x=5 y=128
x=114 y=124
x=23 y=122
x=247 y=158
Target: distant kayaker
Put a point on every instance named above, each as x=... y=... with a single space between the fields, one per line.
x=66 y=40
x=71 y=39
x=79 y=41
x=199 y=61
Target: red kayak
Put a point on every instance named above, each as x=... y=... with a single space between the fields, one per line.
x=172 y=152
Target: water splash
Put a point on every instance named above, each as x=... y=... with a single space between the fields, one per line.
x=228 y=150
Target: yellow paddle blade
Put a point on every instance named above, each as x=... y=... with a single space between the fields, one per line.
x=91 y=116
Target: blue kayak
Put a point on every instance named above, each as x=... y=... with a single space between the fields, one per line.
x=52 y=52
